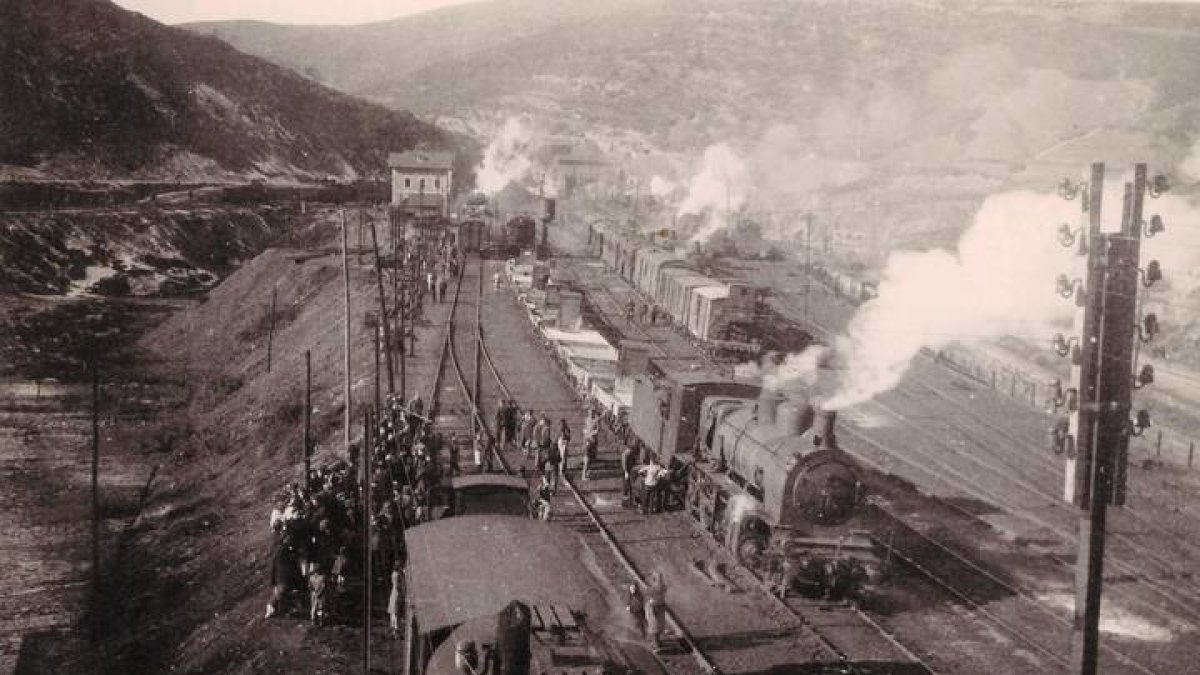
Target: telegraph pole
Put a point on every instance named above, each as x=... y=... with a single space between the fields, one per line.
x=383 y=315
x=346 y=334
x=307 y=414
x=1100 y=403
x=808 y=221
x=1084 y=363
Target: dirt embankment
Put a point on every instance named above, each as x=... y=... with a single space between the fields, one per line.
x=145 y=406
x=194 y=582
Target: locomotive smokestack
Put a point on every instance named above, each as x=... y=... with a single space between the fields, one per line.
x=768 y=404
x=824 y=433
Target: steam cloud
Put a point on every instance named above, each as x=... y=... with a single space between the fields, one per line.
x=799 y=368
x=999 y=282
x=720 y=187
x=661 y=187
x=505 y=160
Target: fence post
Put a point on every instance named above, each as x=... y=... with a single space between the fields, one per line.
x=1158 y=446
x=993 y=378
x=1012 y=385
x=1191 y=452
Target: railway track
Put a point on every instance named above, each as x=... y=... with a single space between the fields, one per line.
x=842 y=634
x=1178 y=588
x=1023 y=627
x=1176 y=605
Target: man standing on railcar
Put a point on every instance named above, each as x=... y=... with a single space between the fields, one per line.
x=628 y=462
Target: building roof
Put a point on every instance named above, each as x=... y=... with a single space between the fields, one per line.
x=471 y=566
x=431 y=160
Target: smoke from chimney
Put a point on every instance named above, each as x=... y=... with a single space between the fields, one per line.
x=719 y=188
x=506 y=158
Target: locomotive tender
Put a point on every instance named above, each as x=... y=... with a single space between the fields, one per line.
x=766 y=476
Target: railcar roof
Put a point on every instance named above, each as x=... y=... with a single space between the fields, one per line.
x=689 y=371
x=471 y=566
x=714 y=292
x=496 y=479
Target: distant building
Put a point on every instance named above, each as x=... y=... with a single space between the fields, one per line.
x=577 y=166
x=422 y=181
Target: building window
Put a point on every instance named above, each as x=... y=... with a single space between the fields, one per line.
x=407 y=182
x=437 y=183
x=422 y=185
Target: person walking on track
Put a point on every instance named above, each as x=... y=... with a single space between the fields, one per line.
x=656 y=610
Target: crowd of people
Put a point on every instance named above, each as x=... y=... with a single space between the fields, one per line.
x=320 y=524
x=395 y=480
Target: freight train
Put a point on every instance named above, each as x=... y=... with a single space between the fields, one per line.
x=765 y=476
x=721 y=316
x=507 y=595
x=478 y=234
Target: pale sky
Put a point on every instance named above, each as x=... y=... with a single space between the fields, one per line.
x=283 y=11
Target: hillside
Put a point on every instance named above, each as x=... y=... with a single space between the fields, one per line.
x=917 y=82
x=93 y=91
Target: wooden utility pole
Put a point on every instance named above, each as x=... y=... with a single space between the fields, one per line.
x=307 y=415
x=366 y=550
x=1084 y=356
x=383 y=316
x=808 y=221
x=271 y=328
x=94 y=624
x=375 y=343
x=1105 y=402
x=346 y=336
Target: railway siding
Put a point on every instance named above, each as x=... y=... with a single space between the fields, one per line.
x=732 y=618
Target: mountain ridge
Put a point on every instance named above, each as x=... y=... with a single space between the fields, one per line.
x=96 y=91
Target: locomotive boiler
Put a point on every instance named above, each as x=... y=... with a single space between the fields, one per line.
x=767 y=477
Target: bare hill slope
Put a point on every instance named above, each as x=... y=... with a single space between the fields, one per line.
x=91 y=90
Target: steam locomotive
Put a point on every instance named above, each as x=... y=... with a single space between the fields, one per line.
x=720 y=316
x=765 y=476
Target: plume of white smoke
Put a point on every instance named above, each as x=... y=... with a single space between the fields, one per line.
x=506 y=158
x=718 y=189
x=1000 y=281
x=1190 y=165
x=801 y=368
x=661 y=187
